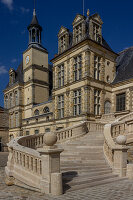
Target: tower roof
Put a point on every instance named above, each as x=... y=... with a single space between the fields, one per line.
x=34 y=22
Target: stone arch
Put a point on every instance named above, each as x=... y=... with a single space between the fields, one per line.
x=46 y=109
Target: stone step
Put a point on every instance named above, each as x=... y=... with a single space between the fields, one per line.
x=87 y=179
x=67 y=175
x=68 y=164
x=85 y=171
x=85 y=162
x=114 y=180
x=83 y=154
x=87 y=168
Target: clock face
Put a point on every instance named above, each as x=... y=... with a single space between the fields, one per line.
x=27 y=59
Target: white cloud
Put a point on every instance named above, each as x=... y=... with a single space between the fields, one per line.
x=24 y=10
x=3 y=70
x=8 y=3
x=14 y=60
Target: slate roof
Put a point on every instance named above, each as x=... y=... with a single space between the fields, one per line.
x=124 y=67
x=34 y=21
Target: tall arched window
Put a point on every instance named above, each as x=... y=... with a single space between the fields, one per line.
x=107 y=107
x=36 y=112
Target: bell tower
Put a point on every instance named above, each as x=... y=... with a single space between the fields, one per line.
x=34 y=31
x=35 y=67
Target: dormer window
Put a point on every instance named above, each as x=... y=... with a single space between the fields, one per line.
x=96 y=32
x=63 y=44
x=78 y=33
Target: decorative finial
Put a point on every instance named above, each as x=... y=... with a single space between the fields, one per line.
x=88 y=12
x=34 y=12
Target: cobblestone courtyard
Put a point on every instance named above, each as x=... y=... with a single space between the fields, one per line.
x=122 y=190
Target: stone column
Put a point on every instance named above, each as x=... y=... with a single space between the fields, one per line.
x=91 y=101
x=86 y=99
x=102 y=97
x=92 y=65
x=102 y=70
x=71 y=103
x=87 y=63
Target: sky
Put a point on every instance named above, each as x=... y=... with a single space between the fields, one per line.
x=16 y=15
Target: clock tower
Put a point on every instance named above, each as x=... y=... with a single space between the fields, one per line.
x=35 y=66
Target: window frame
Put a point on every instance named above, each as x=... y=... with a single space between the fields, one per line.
x=77 y=102
x=121 y=102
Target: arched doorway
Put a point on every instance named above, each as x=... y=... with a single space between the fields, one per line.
x=107 y=107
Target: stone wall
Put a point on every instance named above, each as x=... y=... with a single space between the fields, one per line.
x=4 y=134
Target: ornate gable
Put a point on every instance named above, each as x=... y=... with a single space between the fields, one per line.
x=78 y=18
x=97 y=18
x=62 y=30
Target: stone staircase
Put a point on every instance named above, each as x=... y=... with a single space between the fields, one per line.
x=83 y=164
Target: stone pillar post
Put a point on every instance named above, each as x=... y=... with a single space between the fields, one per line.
x=120 y=161
x=51 y=177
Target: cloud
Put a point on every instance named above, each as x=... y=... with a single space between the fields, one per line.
x=8 y=3
x=14 y=60
x=24 y=10
x=3 y=70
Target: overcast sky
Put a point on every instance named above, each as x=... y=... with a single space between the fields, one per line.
x=15 y=16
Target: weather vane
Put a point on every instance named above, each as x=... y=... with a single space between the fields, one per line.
x=83 y=7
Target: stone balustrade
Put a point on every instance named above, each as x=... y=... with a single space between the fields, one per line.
x=116 y=154
x=34 y=164
x=32 y=167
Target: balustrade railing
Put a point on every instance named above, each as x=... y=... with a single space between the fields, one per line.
x=122 y=126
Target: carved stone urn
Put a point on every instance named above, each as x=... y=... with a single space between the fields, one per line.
x=121 y=139
x=50 y=138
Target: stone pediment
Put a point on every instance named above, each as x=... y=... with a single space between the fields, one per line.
x=78 y=18
x=97 y=18
x=62 y=30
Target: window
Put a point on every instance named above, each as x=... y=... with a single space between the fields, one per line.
x=96 y=32
x=16 y=119
x=47 y=118
x=77 y=102
x=61 y=106
x=96 y=102
x=36 y=131
x=16 y=98
x=27 y=133
x=78 y=33
x=61 y=75
x=6 y=102
x=46 y=110
x=77 y=68
x=63 y=44
x=120 y=102
x=47 y=130
x=36 y=112
x=97 y=67
x=107 y=107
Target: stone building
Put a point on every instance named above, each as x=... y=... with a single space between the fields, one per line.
x=4 y=134
x=87 y=82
